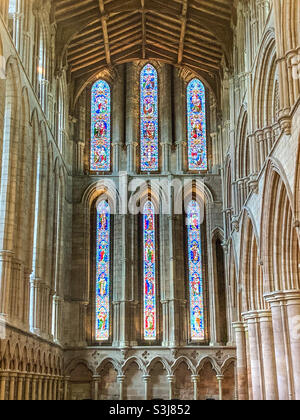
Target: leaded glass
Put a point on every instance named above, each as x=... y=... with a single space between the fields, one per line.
x=103 y=271
x=149 y=272
x=195 y=272
x=149 y=119
x=196 y=109
x=101 y=127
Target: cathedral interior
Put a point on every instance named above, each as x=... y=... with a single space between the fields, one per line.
x=149 y=199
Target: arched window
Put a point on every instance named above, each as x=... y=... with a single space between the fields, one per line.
x=103 y=271
x=101 y=127
x=196 y=112
x=149 y=119
x=195 y=265
x=41 y=63
x=149 y=248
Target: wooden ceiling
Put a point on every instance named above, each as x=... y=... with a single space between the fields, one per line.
x=94 y=34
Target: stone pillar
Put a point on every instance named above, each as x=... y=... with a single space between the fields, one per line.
x=3 y=380
x=66 y=388
x=40 y=387
x=166 y=117
x=171 y=379
x=33 y=389
x=248 y=362
x=255 y=355
x=241 y=350
x=285 y=307
x=118 y=118
x=268 y=355
x=55 y=382
x=132 y=106
x=57 y=317
x=28 y=379
x=6 y=259
x=50 y=388
x=180 y=124
x=146 y=380
x=12 y=382
x=59 y=388
x=44 y=85
x=220 y=379
x=195 y=380
x=96 y=380
x=45 y=387
x=121 y=380
x=123 y=287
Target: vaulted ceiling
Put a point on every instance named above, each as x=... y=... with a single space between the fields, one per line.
x=94 y=34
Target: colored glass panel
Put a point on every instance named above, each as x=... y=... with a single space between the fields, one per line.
x=196 y=109
x=149 y=272
x=149 y=119
x=101 y=127
x=103 y=271
x=195 y=272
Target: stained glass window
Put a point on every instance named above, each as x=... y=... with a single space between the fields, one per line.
x=101 y=127
x=149 y=272
x=196 y=109
x=103 y=271
x=149 y=119
x=195 y=272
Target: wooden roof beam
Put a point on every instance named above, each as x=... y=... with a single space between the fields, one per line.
x=105 y=32
x=183 y=30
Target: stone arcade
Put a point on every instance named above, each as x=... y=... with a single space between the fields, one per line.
x=189 y=111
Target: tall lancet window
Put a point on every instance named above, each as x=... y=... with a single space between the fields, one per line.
x=101 y=127
x=149 y=119
x=195 y=272
x=196 y=110
x=150 y=316
x=103 y=271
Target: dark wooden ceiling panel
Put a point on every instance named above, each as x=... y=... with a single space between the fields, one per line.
x=193 y=33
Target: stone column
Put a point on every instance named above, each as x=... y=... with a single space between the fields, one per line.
x=50 y=388
x=28 y=379
x=121 y=380
x=96 y=380
x=57 y=317
x=220 y=379
x=66 y=388
x=45 y=387
x=255 y=355
x=171 y=379
x=248 y=362
x=285 y=307
x=44 y=85
x=118 y=118
x=33 y=389
x=180 y=124
x=123 y=288
x=195 y=380
x=55 y=382
x=132 y=106
x=166 y=117
x=268 y=355
x=40 y=387
x=3 y=380
x=59 y=388
x=146 y=380
x=12 y=381
x=241 y=350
